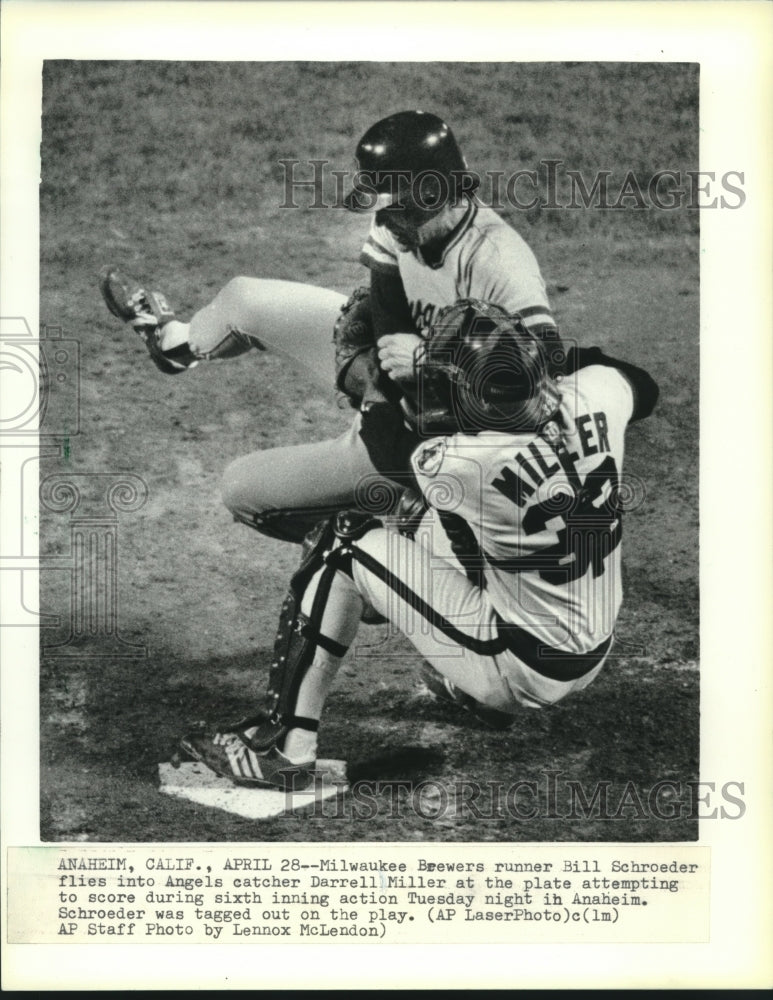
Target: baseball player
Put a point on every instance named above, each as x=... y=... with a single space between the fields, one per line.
x=430 y=244
x=531 y=463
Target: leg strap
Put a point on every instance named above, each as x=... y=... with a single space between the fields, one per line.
x=327 y=547
x=231 y=346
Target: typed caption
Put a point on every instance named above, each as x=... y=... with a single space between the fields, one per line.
x=237 y=894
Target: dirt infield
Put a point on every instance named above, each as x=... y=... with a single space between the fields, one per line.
x=173 y=171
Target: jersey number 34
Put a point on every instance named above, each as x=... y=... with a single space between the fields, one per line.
x=589 y=527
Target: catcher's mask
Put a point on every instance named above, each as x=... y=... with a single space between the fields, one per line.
x=483 y=370
x=409 y=161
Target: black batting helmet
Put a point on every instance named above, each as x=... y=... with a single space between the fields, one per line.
x=400 y=154
x=483 y=370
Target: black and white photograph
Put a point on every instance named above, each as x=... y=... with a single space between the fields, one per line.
x=393 y=358
x=362 y=450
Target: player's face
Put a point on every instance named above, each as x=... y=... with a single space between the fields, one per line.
x=410 y=225
x=405 y=228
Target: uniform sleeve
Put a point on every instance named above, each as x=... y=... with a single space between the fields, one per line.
x=389 y=305
x=609 y=384
x=506 y=271
x=380 y=251
x=642 y=387
x=449 y=477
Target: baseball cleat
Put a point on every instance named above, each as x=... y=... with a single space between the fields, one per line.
x=230 y=756
x=372 y=617
x=128 y=300
x=147 y=312
x=445 y=690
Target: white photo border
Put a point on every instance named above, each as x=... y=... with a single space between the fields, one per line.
x=732 y=44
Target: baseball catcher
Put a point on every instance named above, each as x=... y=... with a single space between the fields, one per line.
x=530 y=462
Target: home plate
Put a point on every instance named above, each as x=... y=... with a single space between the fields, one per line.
x=195 y=782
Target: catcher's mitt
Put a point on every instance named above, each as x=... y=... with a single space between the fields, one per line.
x=352 y=339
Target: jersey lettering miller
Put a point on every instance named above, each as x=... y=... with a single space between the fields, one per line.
x=545 y=511
x=534 y=466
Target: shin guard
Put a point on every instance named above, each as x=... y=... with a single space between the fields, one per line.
x=327 y=547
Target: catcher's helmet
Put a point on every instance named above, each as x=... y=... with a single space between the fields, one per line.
x=483 y=370
x=398 y=154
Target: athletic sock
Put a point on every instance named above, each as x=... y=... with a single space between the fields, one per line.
x=173 y=334
x=300 y=744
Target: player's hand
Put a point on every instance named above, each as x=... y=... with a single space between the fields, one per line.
x=398 y=355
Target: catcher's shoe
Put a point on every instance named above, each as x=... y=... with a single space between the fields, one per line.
x=230 y=755
x=144 y=310
x=372 y=617
x=445 y=690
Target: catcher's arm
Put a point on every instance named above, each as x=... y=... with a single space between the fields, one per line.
x=643 y=385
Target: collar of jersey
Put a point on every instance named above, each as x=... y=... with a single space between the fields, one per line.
x=452 y=239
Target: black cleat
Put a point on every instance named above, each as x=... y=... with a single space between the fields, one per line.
x=230 y=756
x=146 y=312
